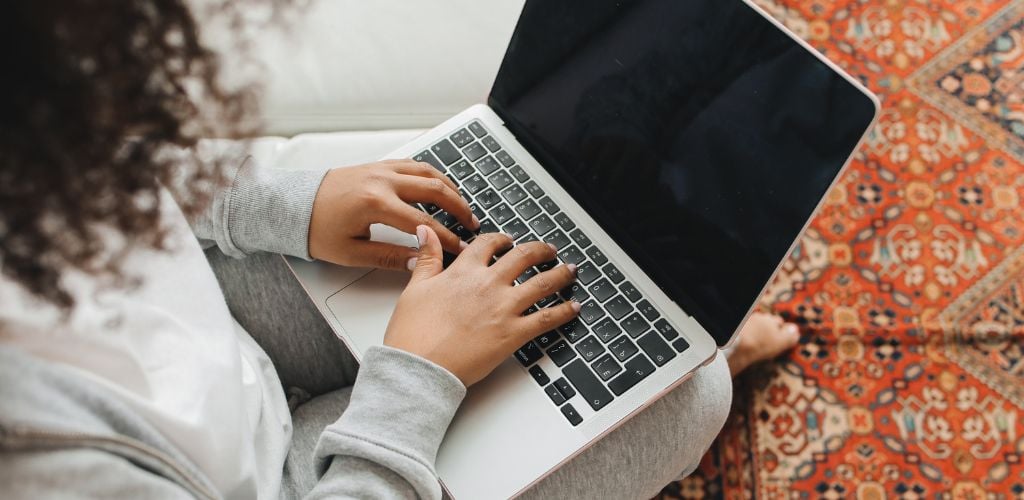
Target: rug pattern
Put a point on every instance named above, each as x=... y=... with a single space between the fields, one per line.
x=909 y=284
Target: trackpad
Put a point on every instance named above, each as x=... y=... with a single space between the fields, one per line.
x=364 y=307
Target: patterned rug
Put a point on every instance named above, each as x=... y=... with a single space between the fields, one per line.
x=909 y=285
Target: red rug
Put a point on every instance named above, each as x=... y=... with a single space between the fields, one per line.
x=909 y=285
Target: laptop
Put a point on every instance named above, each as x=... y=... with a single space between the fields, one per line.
x=673 y=150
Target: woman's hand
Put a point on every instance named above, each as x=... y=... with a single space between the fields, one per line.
x=351 y=199
x=468 y=318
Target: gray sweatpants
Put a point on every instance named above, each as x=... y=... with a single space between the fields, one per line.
x=635 y=461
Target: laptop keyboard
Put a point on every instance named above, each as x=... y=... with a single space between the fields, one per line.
x=619 y=337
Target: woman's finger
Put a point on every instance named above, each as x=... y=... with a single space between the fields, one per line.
x=517 y=260
x=405 y=218
x=413 y=189
x=543 y=285
x=484 y=248
x=421 y=169
x=545 y=320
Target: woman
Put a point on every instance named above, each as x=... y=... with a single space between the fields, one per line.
x=134 y=365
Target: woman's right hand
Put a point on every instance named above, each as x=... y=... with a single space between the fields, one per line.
x=469 y=318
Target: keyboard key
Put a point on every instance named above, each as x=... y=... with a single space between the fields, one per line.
x=561 y=353
x=462 y=169
x=630 y=291
x=477 y=211
x=680 y=345
x=575 y=291
x=515 y=229
x=565 y=221
x=542 y=225
x=573 y=331
x=607 y=330
x=602 y=290
x=527 y=274
x=570 y=414
x=528 y=238
x=538 y=374
x=635 y=325
x=613 y=273
x=461 y=138
x=491 y=144
x=534 y=189
x=549 y=300
x=648 y=310
x=502 y=214
x=504 y=158
x=529 y=354
x=474 y=151
x=636 y=370
x=446 y=219
x=475 y=184
x=589 y=387
x=623 y=348
x=547 y=340
x=446 y=152
x=597 y=256
x=591 y=312
x=665 y=329
x=488 y=198
x=587 y=273
x=528 y=209
x=571 y=255
x=486 y=226
x=590 y=348
x=487 y=166
x=606 y=367
x=477 y=129
x=428 y=157
x=500 y=180
x=519 y=173
x=430 y=208
x=580 y=238
x=557 y=238
x=565 y=388
x=514 y=194
x=618 y=307
x=656 y=348
x=463 y=233
x=549 y=205
x=554 y=394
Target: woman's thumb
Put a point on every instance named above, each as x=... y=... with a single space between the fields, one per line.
x=430 y=260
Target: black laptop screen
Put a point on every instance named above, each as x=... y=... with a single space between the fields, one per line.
x=699 y=135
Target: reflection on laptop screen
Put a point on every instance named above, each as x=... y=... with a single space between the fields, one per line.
x=699 y=135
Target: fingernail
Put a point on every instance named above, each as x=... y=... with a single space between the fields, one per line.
x=476 y=222
x=572 y=268
x=576 y=306
x=463 y=245
x=553 y=247
x=792 y=329
x=411 y=264
x=421 y=235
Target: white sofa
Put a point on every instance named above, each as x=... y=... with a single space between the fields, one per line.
x=348 y=81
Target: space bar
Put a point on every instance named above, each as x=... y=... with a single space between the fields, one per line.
x=586 y=382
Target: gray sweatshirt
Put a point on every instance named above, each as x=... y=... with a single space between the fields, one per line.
x=62 y=436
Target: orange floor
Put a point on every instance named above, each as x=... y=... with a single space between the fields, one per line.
x=909 y=285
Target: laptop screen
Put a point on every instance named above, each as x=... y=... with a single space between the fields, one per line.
x=699 y=135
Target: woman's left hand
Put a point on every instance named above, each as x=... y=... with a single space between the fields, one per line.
x=351 y=199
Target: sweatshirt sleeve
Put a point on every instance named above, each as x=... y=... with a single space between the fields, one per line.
x=261 y=209
x=386 y=442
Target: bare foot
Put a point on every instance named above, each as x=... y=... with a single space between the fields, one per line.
x=763 y=337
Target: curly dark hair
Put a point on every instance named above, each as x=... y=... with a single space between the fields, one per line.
x=92 y=95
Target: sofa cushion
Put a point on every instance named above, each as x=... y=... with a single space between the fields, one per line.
x=382 y=64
